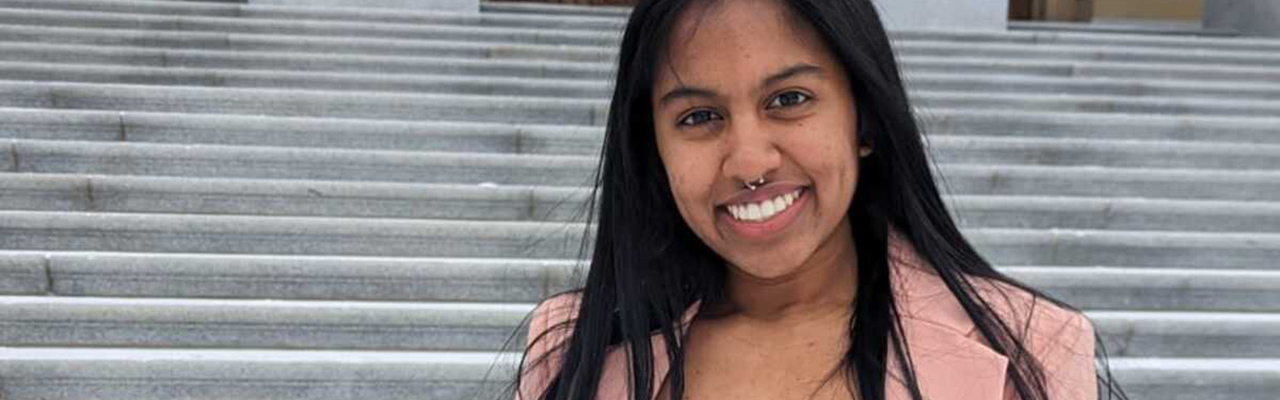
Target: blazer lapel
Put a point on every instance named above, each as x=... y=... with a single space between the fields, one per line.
x=951 y=361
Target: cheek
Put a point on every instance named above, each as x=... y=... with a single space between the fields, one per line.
x=690 y=179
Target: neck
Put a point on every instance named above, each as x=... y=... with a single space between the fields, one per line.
x=825 y=284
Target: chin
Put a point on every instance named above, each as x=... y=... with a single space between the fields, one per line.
x=769 y=268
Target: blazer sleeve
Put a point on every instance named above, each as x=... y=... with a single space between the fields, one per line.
x=1063 y=342
x=549 y=330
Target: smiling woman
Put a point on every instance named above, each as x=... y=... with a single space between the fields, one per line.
x=769 y=228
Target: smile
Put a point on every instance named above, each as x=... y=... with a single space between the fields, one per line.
x=762 y=218
x=764 y=210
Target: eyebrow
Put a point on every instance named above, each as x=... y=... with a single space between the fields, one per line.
x=693 y=91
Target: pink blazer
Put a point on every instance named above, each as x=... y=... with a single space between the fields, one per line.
x=952 y=360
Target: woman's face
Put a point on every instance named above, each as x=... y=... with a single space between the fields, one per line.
x=744 y=91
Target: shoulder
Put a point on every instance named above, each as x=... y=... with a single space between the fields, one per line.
x=1060 y=340
x=550 y=327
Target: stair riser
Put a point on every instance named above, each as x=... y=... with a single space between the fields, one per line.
x=340 y=328
x=556 y=174
x=602 y=35
x=250 y=235
x=578 y=89
x=397 y=64
x=276 y=163
x=300 y=103
x=138 y=22
x=336 y=379
x=568 y=22
x=528 y=281
x=438 y=107
x=142 y=127
x=172 y=379
x=500 y=49
x=355 y=200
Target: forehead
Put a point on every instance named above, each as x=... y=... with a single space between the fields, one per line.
x=736 y=39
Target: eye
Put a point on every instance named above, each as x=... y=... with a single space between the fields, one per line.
x=698 y=117
x=788 y=99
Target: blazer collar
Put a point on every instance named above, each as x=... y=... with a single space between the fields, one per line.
x=951 y=361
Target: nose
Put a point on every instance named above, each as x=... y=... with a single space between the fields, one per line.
x=751 y=152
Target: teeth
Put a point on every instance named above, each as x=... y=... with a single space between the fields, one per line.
x=763 y=210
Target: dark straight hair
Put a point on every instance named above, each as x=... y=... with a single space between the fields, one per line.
x=647 y=266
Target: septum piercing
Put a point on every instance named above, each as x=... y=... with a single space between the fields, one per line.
x=754 y=184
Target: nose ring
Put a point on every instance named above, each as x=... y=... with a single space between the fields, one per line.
x=752 y=185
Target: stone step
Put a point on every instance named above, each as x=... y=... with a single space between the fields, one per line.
x=596 y=89
x=1188 y=334
x=557 y=10
x=166 y=233
x=465 y=136
x=345 y=199
x=491 y=280
x=1087 y=69
x=1108 y=182
x=1097 y=104
x=42 y=321
x=581 y=21
x=443 y=46
x=131 y=373
x=578 y=19
x=146 y=374
x=508 y=109
x=220 y=196
x=397 y=64
x=1198 y=378
x=345 y=20
x=1159 y=289
x=479 y=66
x=285 y=43
x=215 y=161
x=279 y=102
x=349 y=134
x=17 y=17
x=311 y=13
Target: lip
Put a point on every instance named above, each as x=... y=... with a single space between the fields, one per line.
x=762 y=193
x=762 y=230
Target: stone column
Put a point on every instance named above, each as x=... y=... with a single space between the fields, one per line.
x=1250 y=17
x=465 y=6
x=944 y=14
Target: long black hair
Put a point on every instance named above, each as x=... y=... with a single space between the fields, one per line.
x=647 y=266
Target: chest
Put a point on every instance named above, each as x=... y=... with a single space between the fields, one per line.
x=721 y=364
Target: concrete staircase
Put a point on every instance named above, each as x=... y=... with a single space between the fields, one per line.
x=204 y=199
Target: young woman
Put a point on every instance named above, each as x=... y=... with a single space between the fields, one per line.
x=769 y=228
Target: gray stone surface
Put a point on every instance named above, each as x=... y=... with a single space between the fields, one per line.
x=527 y=280
x=1168 y=289
x=1188 y=334
x=345 y=200
x=41 y=373
x=123 y=274
x=472 y=6
x=950 y=15
x=597 y=88
x=1252 y=17
x=26 y=274
x=1198 y=378
x=124 y=322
